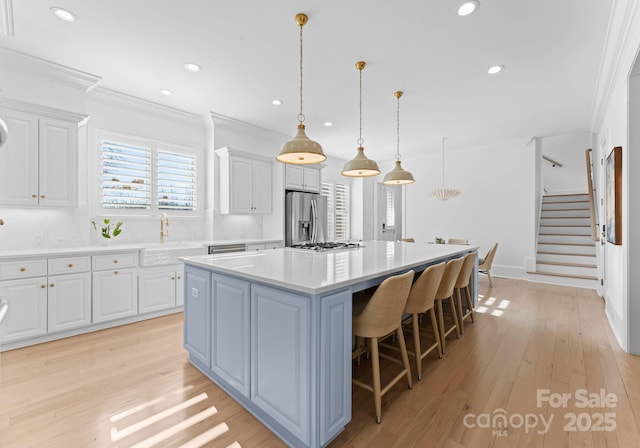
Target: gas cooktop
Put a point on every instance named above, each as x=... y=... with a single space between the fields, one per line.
x=325 y=246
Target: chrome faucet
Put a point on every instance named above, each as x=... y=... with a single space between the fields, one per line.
x=164 y=223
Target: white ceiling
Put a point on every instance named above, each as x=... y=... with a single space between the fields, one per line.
x=249 y=54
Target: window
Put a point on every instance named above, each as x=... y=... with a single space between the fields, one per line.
x=137 y=175
x=337 y=210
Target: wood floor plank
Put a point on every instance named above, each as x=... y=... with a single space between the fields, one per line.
x=527 y=337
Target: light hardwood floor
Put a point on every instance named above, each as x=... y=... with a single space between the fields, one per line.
x=132 y=385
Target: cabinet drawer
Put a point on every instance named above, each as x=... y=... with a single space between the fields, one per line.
x=112 y=261
x=254 y=247
x=274 y=245
x=22 y=269
x=69 y=265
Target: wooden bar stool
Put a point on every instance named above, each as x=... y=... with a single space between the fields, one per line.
x=381 y=316
x=445 y=291
x=462 y=284
x=422 y=299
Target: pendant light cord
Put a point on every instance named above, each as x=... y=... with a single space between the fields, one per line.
x=398 y=128
x=360 y=140
x=443 y=139
x=301 y=115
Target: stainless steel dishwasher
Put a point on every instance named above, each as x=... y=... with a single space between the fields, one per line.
x=216 y=249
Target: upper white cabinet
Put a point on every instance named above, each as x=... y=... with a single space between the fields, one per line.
x=298 y=177
x=245 y=182
x=39 y=163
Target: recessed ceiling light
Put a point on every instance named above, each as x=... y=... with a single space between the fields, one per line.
x=166 y=92
x=63 y=14
x=276 y=102
x=495 y=69
x=191 y=67
x=327 y=124
x=468 y=7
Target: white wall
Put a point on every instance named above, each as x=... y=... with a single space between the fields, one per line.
x=569 y=150
x=496 y=204
x=611 y=123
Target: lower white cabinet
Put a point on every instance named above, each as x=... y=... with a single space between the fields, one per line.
x=160 y=288
x=27 y=316
x=115 y=294
x=69 y=301
x=197 y=306
x=230 y=332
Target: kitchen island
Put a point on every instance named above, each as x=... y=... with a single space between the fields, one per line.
x=273 y=328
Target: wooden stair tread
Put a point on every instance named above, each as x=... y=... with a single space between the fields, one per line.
x=561 y=234
x=564 y=209
x=565 y=202
x=574 y=265
x=567 y=244
x=571 y=254
x=565 y=194
x=553 y=274
x=564 y=217
x=564 y=225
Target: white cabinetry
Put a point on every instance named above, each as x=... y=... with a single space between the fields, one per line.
x=160 y=288
x=69 y=293
x=115 y=289
x=27 y=316
x=263 y=246
x=39 y=163
x=245 y=183
x=298 y=177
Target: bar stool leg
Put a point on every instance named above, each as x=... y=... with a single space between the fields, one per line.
x=416 y=342
x=405 y=356
x=454 y=316
x=459 y=304
x=443 y=341
x=375 y=365
x=436 y=332
x=467 y=295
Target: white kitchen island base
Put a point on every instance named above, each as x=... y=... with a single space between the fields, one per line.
x=282 y=346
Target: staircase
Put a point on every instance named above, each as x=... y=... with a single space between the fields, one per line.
x=566 y=253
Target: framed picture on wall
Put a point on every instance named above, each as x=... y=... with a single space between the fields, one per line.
x=613 y=178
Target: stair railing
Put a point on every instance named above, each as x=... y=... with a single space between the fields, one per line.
x=592 y=203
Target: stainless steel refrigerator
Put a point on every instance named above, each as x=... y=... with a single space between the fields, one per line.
x=305 y=218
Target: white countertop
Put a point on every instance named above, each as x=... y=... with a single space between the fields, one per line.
x=319 y=272
x=117 y=247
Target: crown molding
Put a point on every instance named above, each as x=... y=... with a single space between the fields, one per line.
x=6 y=18
x=144 y=105
x=234 y=124
x=43 y=68
x=618 y=49
x=44 y=111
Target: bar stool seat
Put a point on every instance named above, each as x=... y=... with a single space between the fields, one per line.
x=462 y=284
x=422 y=300
x=381 y=316
x=445 y=292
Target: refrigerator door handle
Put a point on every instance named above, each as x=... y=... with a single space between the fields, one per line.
x=314 y=214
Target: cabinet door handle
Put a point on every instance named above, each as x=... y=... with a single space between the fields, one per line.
x=179 y=277
x=52 y=285
x=42 y=196
x=173 y=278
x=115 y=272
x=115 y=261
x=70 y=265
x=43 y=286
x=34 y=196
x=23 y=269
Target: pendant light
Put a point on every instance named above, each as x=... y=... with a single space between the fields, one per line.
x=301 y=150
x=398 y=176
x=443 y=193
x=360 y=165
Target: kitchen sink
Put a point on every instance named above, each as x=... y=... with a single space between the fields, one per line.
x=159 y=254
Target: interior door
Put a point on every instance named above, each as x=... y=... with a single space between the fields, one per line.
x=389 y=213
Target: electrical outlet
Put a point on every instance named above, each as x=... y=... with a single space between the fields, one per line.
x=38 y=237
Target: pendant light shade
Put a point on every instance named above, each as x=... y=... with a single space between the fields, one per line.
x=398 y=175
x=360 y=165
x=443 y=193
x=301 y=150
x=3 y=132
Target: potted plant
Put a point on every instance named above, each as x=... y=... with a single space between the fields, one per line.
x=108 y=230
